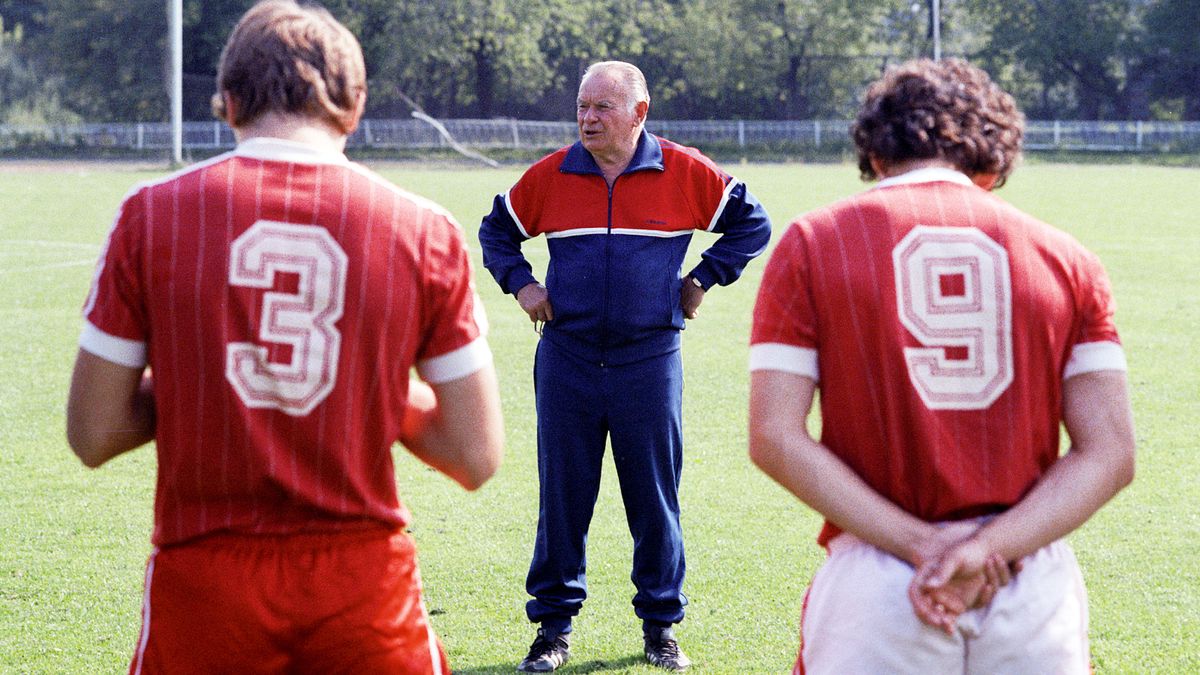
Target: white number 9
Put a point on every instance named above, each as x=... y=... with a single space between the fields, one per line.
x=304 y=320
x=954 y=294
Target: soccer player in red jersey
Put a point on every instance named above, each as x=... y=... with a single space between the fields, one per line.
x=258 y=315
x=949 y=334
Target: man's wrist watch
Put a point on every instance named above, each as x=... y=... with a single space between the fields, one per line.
x=696 y=282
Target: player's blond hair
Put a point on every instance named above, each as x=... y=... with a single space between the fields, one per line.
x=948 y=110
x=284 y=57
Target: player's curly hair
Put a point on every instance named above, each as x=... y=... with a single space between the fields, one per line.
x=285 y=57
x=948 y=110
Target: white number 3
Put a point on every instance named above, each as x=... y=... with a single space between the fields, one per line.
x=954 y=294
x=303 y=320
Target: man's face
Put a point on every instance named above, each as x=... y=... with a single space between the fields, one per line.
x=608 y=125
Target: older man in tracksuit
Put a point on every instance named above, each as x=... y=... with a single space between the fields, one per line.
x=618 y=209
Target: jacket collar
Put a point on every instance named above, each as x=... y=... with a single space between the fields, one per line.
x=647 y=155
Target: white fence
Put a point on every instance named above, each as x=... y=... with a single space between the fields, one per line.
x=522 y=134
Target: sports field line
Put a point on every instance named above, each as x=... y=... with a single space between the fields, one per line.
x=51 y=266
x=50 y=243
x=6 y=251
x=6 y=245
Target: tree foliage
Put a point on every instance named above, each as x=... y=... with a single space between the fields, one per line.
x=460 y=57
x=714 y=59
x=111 y=54
x=1175 y=55
x=1085 y=56
x=28 y=99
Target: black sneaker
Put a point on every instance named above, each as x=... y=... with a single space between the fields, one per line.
x=547 y=653
x=663 y=651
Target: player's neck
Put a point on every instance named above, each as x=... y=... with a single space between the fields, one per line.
x=296 y=128
x=987 y=181
x=900 y=168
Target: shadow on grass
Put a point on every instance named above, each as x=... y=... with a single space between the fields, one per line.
x=593 y=666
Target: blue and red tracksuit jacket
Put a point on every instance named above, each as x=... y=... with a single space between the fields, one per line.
x=616 y=255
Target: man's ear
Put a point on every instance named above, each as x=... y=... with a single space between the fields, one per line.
x=360 y=106
x=641 y=109
x=987 y=181
x=231 y=107
x=877 y=166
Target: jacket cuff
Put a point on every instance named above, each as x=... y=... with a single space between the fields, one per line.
x=518 y=279
x=701 y=274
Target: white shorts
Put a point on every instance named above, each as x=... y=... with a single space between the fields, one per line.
x=857 y=619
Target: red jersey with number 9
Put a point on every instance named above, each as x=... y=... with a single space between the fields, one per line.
x=281 y=296
x=939 y=323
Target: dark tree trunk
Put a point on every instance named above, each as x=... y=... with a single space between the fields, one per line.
x=485 y=79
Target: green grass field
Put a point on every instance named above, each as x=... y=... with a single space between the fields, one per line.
x=73 y=542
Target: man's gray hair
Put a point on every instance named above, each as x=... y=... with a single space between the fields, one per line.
x=630 y=76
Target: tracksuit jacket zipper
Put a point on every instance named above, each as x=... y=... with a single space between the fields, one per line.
x=607 y=269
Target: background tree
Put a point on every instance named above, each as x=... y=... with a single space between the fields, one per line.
x=28 y=100
x=461 y=58
x=1173 y=29
x=111 y=54
x=206 y=27
x=705 y=59
x=644 y=32
x=1084 y=55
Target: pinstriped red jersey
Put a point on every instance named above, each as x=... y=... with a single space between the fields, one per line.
x=281 y=296
x=940 y=323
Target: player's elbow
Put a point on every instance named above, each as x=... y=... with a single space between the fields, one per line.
x=1125 y=466
x=1119 y=456
x=95 y=443
x=764 y=449
x=474 y=478
x=1114 y=464
x=87 y=445
x=481 y=469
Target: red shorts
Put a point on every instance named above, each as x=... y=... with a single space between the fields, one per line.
x=304 y=603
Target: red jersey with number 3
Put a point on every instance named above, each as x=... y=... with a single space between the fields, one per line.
x=281 y=296
x=939 y=323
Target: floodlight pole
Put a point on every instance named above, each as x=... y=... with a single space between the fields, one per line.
x=176 y=30
x=935 y=10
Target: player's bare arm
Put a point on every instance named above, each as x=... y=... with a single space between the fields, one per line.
x=1099 y=464
x=110 y=409
x=456 y=427
x=535 y=301
x=781 y=446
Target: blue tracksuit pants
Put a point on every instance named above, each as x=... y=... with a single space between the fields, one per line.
x=580 y=405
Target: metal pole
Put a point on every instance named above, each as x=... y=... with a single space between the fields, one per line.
x=176 y=29
x=936 y=10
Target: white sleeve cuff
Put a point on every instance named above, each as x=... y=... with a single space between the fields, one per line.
x=1087 y=357
x=785 y=358
x=128 y=353
x=457 y=364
